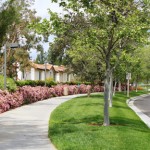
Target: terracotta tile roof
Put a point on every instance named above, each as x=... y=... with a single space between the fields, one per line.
x=60 y=68
x=42 y=66
x=49 y=66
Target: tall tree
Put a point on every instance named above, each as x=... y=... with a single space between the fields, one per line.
x=101 y=29
x=7 y=17
x=19 y=32
x=42 y=56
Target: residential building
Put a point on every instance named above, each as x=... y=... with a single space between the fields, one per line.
x=44 y=71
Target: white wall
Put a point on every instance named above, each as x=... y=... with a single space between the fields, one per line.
x=64 y=77
x=19 y=74
x=70 y=77
x=57 y=77
x=27 y=75
x=32 y=74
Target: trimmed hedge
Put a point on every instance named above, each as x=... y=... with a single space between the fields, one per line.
x=34 y=83
x=11 y=85
x=49 y=83
x=77 y=83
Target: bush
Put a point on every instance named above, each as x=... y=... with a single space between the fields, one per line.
x=98 y=88
x=29 y=94
x=11 y=85
x=77 y=83
x=9 y=101
x=33 y=94
x=50 y=82
x=34 y=83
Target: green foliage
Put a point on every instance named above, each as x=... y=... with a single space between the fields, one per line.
x=15 y=15
x=34 y=83
x=11 y=85
x=50 y=82
x=8 y=15
x=42 y=56
x=95 y=33
x=77 y=83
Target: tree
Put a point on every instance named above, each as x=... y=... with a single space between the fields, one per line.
x=101 y=29
x=7 y=17
x=18 y=31
x=42 y=56
x=144 y=58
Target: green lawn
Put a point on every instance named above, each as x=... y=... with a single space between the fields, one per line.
x=77 y=125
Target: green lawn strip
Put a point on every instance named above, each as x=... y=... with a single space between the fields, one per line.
x=77 y=125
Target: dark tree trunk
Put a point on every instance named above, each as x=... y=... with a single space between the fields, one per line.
x=114 y=92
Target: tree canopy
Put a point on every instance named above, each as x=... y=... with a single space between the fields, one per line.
x=15 y=16
x=97 y=32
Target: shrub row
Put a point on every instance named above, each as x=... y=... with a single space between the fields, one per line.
x=77 y=83
x=49 y=83
x=28 y=94
x=34 y=83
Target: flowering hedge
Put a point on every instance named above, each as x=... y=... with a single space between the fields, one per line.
x=28 y=94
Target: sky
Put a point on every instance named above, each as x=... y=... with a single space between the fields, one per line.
x=42 y=6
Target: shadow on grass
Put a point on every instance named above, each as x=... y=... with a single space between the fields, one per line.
x=130 y=123
x=72 y=124
x=76 y=125
x=122 y=107
x=91 y=96
x=92 y=104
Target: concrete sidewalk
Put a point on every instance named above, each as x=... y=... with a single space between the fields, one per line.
x=26 y=127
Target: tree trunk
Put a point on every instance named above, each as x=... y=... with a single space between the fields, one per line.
x=147 y=83
x=110 y=90
x=114 y=91
x=106 y=102
x=136 y=85
x=119 y=86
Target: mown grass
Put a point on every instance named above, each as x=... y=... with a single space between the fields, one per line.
x=77 y=125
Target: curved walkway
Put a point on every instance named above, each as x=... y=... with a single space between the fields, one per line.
x=26 y=127
x=138 y=109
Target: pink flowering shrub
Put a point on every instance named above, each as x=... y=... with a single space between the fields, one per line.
x=73 y=89
x=59 y=90
x=82 y=88
x=98 y=88
x=33 y=94
x=52 y=92
x=9 y=101
x=28 y=94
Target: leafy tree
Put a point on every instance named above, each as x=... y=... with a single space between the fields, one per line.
x=144 y=57
x=18 y=31
x=7 y=17
x=42 y=56
x=99 y=31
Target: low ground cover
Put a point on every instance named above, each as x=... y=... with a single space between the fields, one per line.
x=77 y=125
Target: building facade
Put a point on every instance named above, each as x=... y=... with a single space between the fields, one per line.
x=45 y=71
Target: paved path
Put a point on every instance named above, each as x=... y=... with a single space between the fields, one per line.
x=143 y=104
x=26 y=127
